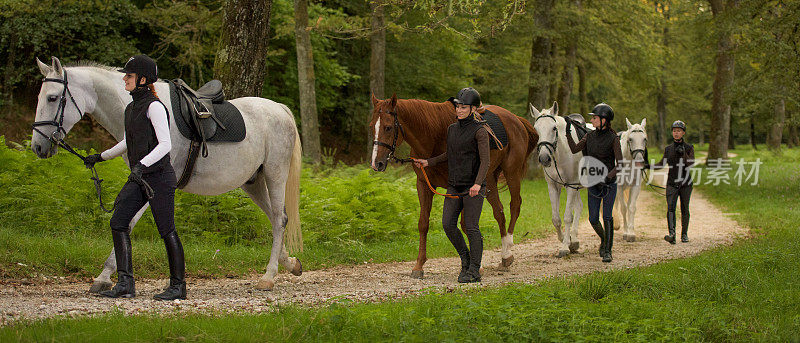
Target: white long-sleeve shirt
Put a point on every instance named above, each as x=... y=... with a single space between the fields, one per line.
x=158 y=118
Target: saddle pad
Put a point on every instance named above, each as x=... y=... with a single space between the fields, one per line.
x=225 y=112
x=497 y=127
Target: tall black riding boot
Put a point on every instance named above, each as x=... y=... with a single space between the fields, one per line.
x=609 y=234
x=463 y=276
x=125 y=287
x=671 y=227
x=475 y=256
x=177 y=269
x=684 y=227
x=598 y=229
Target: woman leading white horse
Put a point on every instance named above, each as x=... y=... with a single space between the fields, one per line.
x=266 y=164
x=633 y=143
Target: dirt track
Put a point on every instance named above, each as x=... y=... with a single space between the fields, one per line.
x=534 y=260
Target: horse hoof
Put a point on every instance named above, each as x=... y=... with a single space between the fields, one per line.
x=417 y=274
x=298 y=268
x=562 y=253
x=629 y=238
x=506 y=262
x=265 y=285
x=99 y=286
x=573 y=247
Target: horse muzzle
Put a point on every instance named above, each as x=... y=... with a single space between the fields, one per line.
x=380 y=165
x=43 y=149
x=545 y=160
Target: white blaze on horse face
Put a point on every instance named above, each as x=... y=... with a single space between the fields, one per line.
x=375 y=147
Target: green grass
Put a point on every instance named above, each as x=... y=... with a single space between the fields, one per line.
x=744 y=292
x=349 y=215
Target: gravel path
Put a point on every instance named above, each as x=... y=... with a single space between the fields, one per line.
x=534 y=260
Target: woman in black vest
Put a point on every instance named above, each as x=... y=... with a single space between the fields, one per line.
x=152 y=179
x=679 y=156
x=467 y=158
x=602 y=144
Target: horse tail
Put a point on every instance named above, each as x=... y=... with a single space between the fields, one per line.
x=293 y=237
x=533 y=139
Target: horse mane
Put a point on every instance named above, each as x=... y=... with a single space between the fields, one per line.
x=91 y=64
x=429 y=117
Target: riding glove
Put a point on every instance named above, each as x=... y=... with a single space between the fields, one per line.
x=569 y=126
x=136 y=173
x=90 y=160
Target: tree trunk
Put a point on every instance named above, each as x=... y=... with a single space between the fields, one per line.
x=720 y=108
x=776 y=131
x=565 y=90
x=661 y=98
x=9 y=79
x=242 y=54
x=753 y=133
x=377 y=41
x=731 y=140
x=539 y=70
x=553 y=77
x=794 y=138
x=584 y=105
x=306 y=82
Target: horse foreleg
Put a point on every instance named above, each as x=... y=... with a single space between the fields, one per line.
x=571 y=219
x=103 y=281
x=554 y=191
x=425 y=200
x=631 y=213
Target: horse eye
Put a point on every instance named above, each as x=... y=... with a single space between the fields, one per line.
x=52 y=98
x=555 y=129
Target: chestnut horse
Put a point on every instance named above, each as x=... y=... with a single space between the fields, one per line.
x=423 y=125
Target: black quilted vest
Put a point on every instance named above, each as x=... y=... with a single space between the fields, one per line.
x=600 y=145
x=463 y=160
x=140 y=136
x=677 y=164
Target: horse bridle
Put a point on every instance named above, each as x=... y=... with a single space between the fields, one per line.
x=398 y=129
x=551 y=148
x=57 y=137
x=635 y=151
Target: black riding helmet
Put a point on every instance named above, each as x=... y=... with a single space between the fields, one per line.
x=603 y=111
x=142 y=66
x=679 y=124
x=467 y=96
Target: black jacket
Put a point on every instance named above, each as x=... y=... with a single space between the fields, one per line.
x=679 y=156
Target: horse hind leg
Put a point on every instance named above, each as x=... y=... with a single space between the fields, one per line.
x=515 y=205
x=103 y=281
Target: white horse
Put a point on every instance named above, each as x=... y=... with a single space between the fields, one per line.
x=266 y=164
x=633 y=143
x=561 y=171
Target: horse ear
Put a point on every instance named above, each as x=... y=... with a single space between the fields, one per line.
x=394 y=100
x=628 y=122
x=534 y=112
x=644 y=122
x=554 y=109
x=45 y=69
x=374 y=100
x=57 y=66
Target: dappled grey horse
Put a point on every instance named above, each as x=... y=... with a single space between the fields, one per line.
x=561 y=169
x=266 y=164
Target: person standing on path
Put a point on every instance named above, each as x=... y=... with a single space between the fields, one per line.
x=152 y=179
x=679 y=157
x=601 y=143
x=467 y=158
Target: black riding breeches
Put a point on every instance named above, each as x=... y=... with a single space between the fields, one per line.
x=470 y=210
x=605 y=193
x=685 y=193
x=132 y=198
